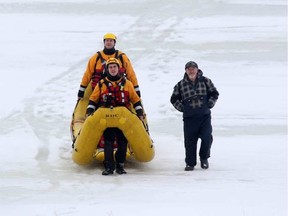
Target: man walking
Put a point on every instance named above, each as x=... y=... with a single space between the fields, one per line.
x=194 y=96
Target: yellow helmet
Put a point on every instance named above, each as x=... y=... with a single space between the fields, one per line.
x=112 y=61
x=110 y=36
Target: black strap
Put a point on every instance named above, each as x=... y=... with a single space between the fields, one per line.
x=119 y=56
x=116 y=53
x=99 y=56
x=123 y=81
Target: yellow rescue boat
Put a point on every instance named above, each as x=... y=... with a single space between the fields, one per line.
x=86 y=133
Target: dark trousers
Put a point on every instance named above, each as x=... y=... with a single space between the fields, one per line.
x=120 y=155
x=194 y=128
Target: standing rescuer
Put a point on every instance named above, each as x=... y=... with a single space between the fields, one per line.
x=95 y=69
x=194 y=96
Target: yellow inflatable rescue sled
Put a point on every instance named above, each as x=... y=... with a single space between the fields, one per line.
x=87 y=134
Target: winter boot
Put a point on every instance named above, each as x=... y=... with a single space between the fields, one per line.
x=204 y=164
x=109 y=168
x=189 y=168
x=120 y=168
x=107 y=171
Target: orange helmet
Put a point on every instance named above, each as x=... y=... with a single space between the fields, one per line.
x=110 y=36
x=112 y=61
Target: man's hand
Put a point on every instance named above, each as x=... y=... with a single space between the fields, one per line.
x=142 y=118
x=89 y=112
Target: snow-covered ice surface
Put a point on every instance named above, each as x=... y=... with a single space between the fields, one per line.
x=241 y=45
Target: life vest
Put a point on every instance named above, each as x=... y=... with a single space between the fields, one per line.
x=114 y=95
x=102 y=72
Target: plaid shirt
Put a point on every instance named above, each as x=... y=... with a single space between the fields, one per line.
x=194 y=98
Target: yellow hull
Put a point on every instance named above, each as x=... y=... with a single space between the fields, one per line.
x=79 y=113
x=120 y=117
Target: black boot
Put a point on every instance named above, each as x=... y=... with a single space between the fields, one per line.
x=109 y=168
x=107 y=171
x=204 y=164
x=189 y=168
x=120 y=168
